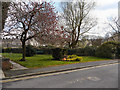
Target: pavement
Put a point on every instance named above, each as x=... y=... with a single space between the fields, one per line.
x=14 y=73
x=17 y=66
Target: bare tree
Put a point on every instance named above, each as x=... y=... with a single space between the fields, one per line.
x=77 y=18
x=29 y=20
x=115 y=25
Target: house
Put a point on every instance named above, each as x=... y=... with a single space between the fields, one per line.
x=11 y=43
x=16 y=43
x=114 y=37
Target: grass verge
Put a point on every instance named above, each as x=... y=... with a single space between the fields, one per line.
x=39 y=61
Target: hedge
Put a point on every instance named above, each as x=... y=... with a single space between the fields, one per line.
x=109 y=49
x=12 y=50
x=87 y=51
x=19 y=50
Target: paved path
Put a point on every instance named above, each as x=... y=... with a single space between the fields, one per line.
x=17 y=66
x=105 y=76
x=12 y=73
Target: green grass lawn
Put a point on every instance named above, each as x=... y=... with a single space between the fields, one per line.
x=39 y=61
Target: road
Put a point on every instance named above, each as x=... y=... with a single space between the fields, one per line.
x=97 y=77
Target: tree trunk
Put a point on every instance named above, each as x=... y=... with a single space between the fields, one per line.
x=73 y=44
x=23 y=51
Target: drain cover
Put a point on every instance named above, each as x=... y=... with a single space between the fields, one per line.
x=93 y=78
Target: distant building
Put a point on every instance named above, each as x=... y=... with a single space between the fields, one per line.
x=114 y=37
x=11 y=43
x=16 y=43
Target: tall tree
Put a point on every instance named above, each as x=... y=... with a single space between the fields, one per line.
x=29 y=20
x=77 y=18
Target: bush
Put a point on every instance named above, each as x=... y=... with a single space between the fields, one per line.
x=58 y=53
x=105 y=51
x=30 y=51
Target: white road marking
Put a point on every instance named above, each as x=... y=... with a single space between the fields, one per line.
x=93 y=78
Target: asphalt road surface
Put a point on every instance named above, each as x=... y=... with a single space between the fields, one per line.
x=98 y=77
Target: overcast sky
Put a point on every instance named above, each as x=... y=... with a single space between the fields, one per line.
x=104 y=10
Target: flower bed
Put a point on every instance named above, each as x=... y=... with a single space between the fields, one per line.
x=72 y=58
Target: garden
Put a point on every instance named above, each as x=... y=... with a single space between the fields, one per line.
x=46 y=57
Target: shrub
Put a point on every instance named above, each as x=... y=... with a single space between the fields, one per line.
x=30 y=51
x=105 y=51
x=58 y=53
x=109 y=49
